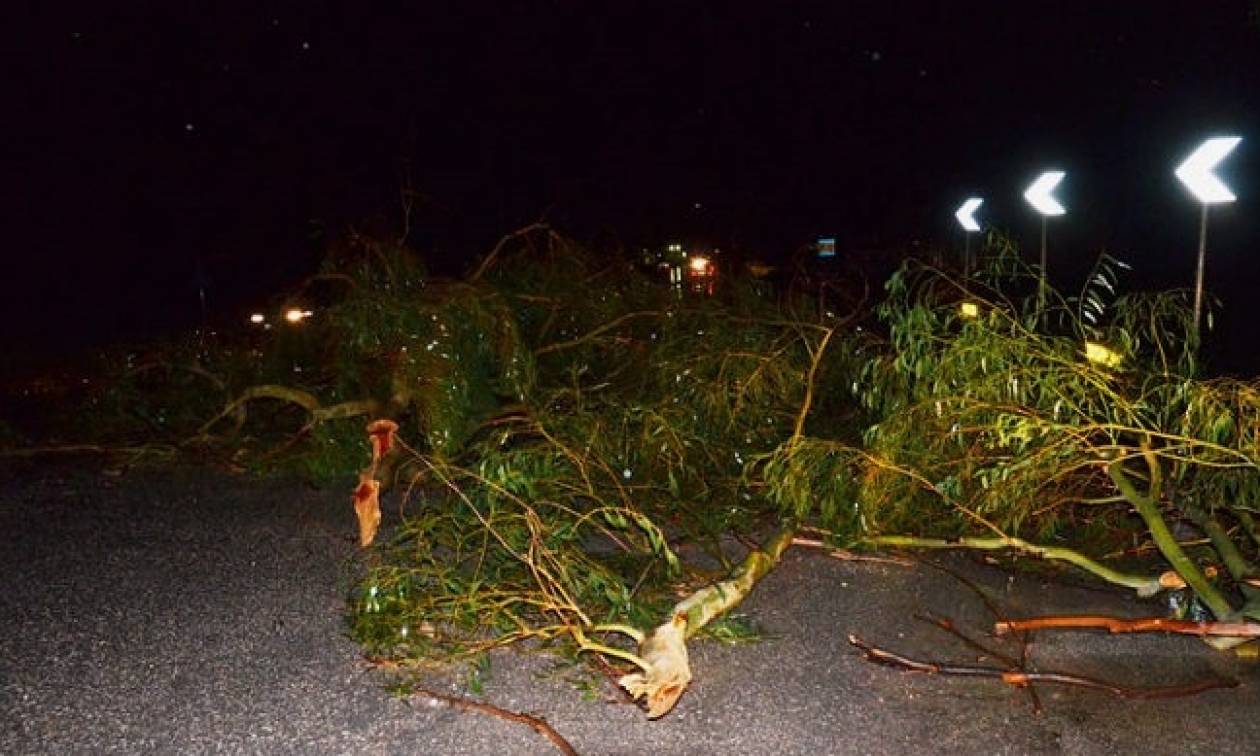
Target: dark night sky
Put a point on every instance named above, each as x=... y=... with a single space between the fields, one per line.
x=148 y=143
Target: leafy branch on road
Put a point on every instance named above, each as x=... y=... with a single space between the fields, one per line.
x=574 y=445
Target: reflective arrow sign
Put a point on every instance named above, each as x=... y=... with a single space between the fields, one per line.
x=1040 y=194
x=965 y=213
x=1196 y=171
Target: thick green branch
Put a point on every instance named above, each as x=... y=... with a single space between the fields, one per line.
x=668 y=671
x=1145 y=586
x=1249 y=524
x=707 y=603
x=303 y=399
x=1148 y=510
x=1229 y=552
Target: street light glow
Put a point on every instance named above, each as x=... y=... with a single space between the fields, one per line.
x=1040 y=193
x=295 y=316
x=1196 y=171
x=257 y=318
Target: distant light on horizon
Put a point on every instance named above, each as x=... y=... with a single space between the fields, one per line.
x=257 y=318
x=295 y=316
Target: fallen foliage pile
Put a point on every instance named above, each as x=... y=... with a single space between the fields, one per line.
x=555 y=427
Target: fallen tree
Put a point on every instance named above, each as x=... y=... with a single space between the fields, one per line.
x=559 y=429
x=554 y=519
x=1011 y=422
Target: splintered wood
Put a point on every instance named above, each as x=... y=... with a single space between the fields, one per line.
x=367 y=495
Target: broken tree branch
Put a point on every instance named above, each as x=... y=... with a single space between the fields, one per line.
x=304 y=399
x=947 y=624
x=537 y=724
x=1147 y=507
x=1138 y=625
x=494 y=253
x=997 y=613
x=844 y=555
x=1145 y=586
x=1022 y=679
x=667 y=671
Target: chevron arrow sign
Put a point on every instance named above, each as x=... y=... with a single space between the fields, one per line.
x=1196 y=171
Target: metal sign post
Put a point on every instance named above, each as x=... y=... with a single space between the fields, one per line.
x=1196 y=173
x=966 y=218
x=1040 y=194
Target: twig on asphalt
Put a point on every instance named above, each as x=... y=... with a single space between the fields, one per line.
x=537 y=724
x=947 y=624
x=1021 y=678
x=997 y=614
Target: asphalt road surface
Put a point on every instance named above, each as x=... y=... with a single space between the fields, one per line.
x=195 y=612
